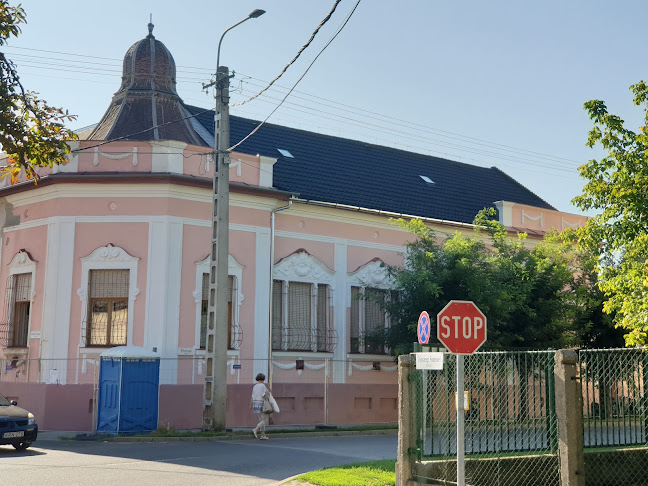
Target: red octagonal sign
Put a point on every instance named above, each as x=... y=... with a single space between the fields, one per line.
x=461 y=327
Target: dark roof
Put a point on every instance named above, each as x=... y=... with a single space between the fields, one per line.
x=350 y=172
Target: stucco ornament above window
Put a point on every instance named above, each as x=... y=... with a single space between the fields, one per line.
x=303 y=267
x=22 y=259
x=109 y=253
x=372 y=274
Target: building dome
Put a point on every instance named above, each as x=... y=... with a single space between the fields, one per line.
x=147 y=105
x=148 y=64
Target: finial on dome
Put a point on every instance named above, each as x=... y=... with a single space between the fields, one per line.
x=150 y=26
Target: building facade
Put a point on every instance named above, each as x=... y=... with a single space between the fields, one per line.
x=112 y=249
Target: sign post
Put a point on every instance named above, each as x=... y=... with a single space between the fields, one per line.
x=461 y=327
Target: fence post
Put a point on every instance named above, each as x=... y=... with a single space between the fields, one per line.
x=569 y=411
x=406 y=440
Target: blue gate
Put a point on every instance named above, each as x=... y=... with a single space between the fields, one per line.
x=129 y=380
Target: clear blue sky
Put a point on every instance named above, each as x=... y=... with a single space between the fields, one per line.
x=497 y=83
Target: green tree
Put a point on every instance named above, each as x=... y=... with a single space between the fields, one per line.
x=32 y=133
x=526 y=292
x=616 y=188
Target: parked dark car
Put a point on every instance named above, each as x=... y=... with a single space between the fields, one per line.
x=17 y=425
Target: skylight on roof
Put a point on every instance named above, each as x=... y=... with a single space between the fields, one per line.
x=427 y=179
x=285 y=153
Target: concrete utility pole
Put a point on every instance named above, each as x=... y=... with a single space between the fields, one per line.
x=215 y=398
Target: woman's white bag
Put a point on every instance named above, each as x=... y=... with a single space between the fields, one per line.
x=273 y=402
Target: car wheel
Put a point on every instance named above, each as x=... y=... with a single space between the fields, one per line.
x=22 y=446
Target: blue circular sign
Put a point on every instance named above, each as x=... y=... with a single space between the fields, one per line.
x=423 y=329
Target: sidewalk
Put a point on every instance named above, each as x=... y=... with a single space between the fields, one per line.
x=233 y=433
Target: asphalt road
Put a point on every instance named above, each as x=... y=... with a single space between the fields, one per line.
x=235 y=463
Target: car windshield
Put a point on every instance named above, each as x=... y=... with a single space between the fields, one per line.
x=4 y=402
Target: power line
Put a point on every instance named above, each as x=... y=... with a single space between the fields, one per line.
x=141 y=131
x=302 y=49
x=302 y=76
x=350 y=121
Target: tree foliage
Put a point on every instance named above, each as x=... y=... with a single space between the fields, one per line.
x=616 y=187
x=32 y=133
x=531 y=294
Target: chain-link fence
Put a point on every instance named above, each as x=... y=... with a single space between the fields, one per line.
x=510 y=424
x=615 y=416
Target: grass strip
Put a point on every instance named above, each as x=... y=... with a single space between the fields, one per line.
x=372 y=473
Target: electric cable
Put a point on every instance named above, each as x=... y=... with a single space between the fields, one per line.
x=301 y=77
x=303 y=48
x=141 y=131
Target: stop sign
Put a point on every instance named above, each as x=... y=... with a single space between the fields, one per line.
x=461 y=327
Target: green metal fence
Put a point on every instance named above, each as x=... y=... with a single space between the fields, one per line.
x=615 y=416
x=510 y=426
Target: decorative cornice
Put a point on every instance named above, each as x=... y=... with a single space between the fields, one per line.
x=372 y=274
x=97 y=153
x=303 y=267
x=109 y=253
x=533 y=218
x=22 y=259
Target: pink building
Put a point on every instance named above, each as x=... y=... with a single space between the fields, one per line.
x=113 y=249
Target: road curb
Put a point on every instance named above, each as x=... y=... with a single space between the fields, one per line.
x=277 y=435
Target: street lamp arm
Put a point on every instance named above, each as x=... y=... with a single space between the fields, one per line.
x=253 y=15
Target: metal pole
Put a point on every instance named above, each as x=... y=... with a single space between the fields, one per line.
x=270 y=293
x=461 y=445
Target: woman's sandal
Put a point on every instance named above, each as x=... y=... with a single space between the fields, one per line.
x=264 y=437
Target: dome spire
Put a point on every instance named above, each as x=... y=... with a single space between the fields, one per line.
x=150 y=27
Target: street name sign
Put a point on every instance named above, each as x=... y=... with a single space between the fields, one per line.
x=429 y=361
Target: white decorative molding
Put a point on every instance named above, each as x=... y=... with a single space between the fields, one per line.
x=72 y=157
x=235 y=269
x=373 y=274
x=303 y=267
x=505 y=210
x=109 y=258
x=369 y=368
x=290 y=366
x=565 y=224
x=266 y=168
x=97 y=153
x=22 y=263
x=109 y=254
x=167 y=156
x=532 y=218
x=238 y=165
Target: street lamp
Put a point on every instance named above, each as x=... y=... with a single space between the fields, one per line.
x=215 y=397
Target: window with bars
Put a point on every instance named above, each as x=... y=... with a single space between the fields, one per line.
x=204 y=309
x=107 y=323
x=301 y=317
x=368 y=320
x=19 y=309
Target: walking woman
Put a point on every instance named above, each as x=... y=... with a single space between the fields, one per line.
x=259 y=394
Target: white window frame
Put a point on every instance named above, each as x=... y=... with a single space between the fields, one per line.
x=20 y=264
x=302 y=267
x=372 y=275
x=108 y=257
x=234 y=269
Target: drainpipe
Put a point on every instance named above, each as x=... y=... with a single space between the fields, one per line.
x=272 y=228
